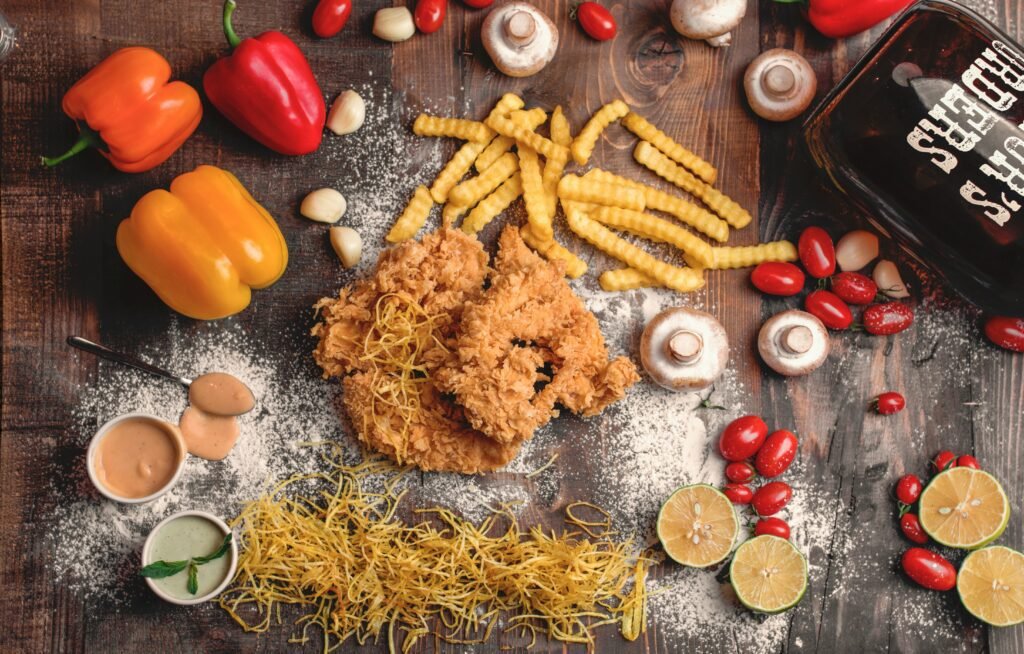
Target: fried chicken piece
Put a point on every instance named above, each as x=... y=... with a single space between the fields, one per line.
x=529 y=331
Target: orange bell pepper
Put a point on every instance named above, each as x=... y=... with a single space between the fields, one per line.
x=131 y=114
x=203 y=246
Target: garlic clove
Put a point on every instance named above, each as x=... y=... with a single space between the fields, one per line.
x=347 y=244
x=887 y=277
x=393 y=24
x=324 y=205
x=347 y=113
x=856 y=249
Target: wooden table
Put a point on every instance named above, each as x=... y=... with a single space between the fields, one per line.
x=62 y=275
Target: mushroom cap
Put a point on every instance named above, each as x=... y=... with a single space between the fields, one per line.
x=520 y=38
x=793 y=343
x=780 y=85
x=706 y=19
x=684 y=349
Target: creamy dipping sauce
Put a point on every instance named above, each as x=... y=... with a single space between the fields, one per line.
x=188 y=537
x=208 y=436
x=137 y=457
x=221 y=394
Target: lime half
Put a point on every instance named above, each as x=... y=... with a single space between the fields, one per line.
x=964 y=508
x=697 y=526
x=991 y=585
x=768 y=574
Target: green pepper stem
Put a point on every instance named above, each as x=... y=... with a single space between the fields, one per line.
x=86 y=139
x=229 y=30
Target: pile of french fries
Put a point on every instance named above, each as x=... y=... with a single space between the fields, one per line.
x=594 y=204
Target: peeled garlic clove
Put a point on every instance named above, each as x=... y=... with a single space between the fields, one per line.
x=887 y=277
x=856 y=249
x=393 y=24
x=347 y=113
x=347 y=244
x=324 y=206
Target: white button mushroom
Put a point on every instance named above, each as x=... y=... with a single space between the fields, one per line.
x=887 y=277
x=684 y=349
x=709 y=20
x=856 y=249
x=793 y=343
x=780 y=85
x=520 y=38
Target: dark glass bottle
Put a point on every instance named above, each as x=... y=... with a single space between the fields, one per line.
x=925 y=135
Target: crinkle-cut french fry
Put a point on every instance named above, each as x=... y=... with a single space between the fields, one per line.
x=554 y=168
x=649 y=156
x=527 y=137
x=507 y=104
x=682 y=210
x=674 y=151
x=471 y=191
x=561 y=133
x=493 y=204
x=583 y=146
x=412 y=219
x=533 y=194
x=679 y=279
x=532 y=119
x=577 y=189
x=454 y=171
x=752 y=255
x=651 y=227
x=551 y=250
x=451 y=212
x=626 y=279
x=459 y=128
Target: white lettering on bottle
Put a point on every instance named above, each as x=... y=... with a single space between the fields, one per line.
x=998 y=98
x=1007 y=170
x=945 y=113
x=998 y=213
x=945 y=160
x=961 y=103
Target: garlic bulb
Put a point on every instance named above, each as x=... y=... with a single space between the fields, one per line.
x=887 y=277
x=347 y=113
x=324 y=206
x=393 y=24
x=347 y=244
x=856 y=249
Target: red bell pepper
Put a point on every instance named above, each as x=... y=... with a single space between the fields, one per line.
x=841 y=18
x=267 y=89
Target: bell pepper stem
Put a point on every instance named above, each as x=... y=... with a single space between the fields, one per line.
x=229 y=30
x=88 y=138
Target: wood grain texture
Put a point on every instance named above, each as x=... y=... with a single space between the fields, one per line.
x=62 y=275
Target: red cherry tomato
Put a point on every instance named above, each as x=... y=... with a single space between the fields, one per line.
x=742 y=438
x=967 y=461
x=854 y=288
x=889 y=403
x=429 y=15
x=772 y=527
x=478 y=4
x=888 y=318
x=829 y=309
x=738 y=493
x=817 y=252
x=929 y=569
x=739 y=472
x=776 y=454
x=911 y=528
x=1007 y=333
x=596 y=21
x=908 y=489
x=778 y=278
x=330 y=17
x=944 y=460
x=770 y=498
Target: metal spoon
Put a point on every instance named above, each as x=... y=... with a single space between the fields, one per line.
x=126 y=359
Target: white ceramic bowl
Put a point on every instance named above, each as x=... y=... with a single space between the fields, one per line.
x=90 y=458
x=199 y=599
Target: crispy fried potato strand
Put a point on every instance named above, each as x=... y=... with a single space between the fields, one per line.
x=552 y=250
x=532 y=119
x=682 y=210
x=533 y=194
x=578 y=189
x=489 y=208
x=459 y=128
x=679 y=279
x=454 y=171
x=527 y=137
x=471 y=191
x=583 y=146
x=412 y=219
x=752 y=255
x=651 y=227
x=626 y=279
x=674 y=151
x=649 y=156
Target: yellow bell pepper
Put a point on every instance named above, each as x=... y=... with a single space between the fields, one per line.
x=203 y=246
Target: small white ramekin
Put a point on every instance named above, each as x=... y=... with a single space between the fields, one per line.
x=199 y=599
x=90 y=458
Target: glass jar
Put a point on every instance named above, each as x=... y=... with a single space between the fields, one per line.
x=925 y=135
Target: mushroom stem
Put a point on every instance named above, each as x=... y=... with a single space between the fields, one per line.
x=797 y=339
x=778 y=80
x=521 y=28
x=685 y=346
